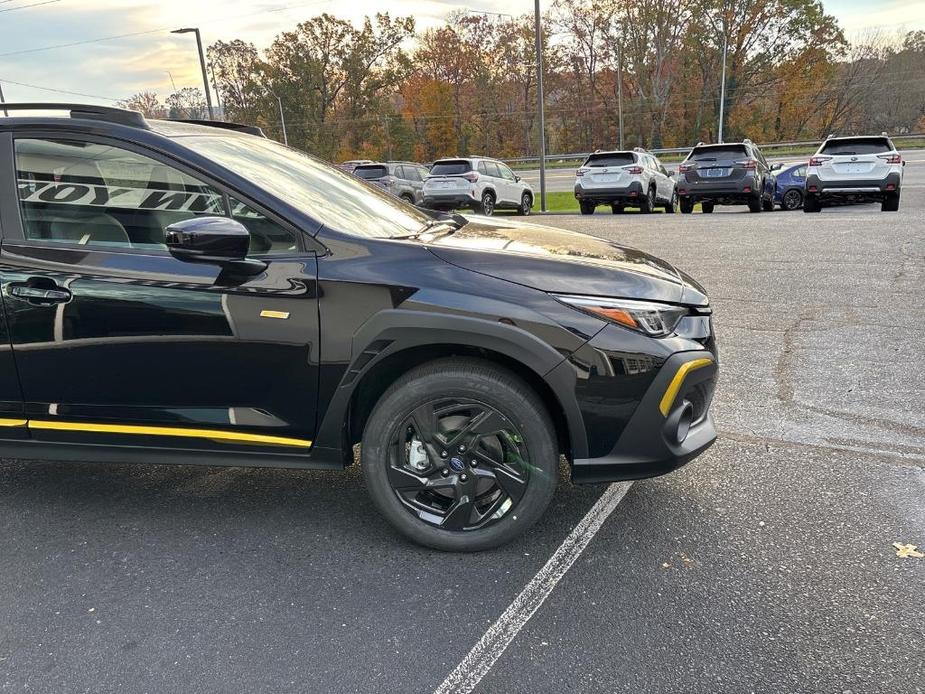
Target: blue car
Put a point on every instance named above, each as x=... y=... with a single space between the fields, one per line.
x=789 y=190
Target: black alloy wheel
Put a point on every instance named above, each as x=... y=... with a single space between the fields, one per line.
x=792 y=200
x=487 y=206
x=526 y=205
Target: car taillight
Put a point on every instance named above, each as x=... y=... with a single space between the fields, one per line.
x=891 y=158
x=749 y=164
x=472 y=176
x=818 y=161
x=635 y=170
x=684 y=168
x=581 y=172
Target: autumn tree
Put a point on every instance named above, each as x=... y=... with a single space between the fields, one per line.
x=146 y=102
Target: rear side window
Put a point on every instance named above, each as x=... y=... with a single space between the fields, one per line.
x=860 y=145
x=451 y=167
x=492 y=169
x=616 y=159
x=371 y=173
x=719 y=153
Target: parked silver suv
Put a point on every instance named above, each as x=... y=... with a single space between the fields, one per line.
x=403 y=179
x=624 y=179
x=476 y=183
x=855 y=168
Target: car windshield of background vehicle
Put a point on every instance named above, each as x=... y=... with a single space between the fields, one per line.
x=719 y=153
x=338 y=200
x=370 y=173
x=870 y=145
x=450 y=168
x=601 y=160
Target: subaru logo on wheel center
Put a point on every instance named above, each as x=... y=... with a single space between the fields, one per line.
x=457 y=464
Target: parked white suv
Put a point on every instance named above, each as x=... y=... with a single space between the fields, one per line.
x=476 y=183
x=624 y=179
x=859 y=168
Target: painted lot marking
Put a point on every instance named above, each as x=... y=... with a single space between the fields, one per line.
x=499 y=636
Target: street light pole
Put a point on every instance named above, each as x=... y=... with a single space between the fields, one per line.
x=202 y=64
x=282 y=120
x=722 y=91
x=541 y=112
x=620 y=87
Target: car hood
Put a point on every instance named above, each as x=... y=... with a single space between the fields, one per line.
x=554 y=260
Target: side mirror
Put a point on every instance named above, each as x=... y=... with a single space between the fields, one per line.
x=215 y=241
x=776 y=167
x=517 y=178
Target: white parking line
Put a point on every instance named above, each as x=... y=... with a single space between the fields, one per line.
x=493 y=643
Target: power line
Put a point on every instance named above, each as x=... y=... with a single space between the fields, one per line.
x=58 y=91
x=26 y=7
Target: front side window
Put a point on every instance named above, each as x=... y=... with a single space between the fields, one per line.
x=99 y=195
x=506 y=172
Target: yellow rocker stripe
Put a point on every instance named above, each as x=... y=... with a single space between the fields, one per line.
x=13 y=422
x=672 y=392
x=168 y=431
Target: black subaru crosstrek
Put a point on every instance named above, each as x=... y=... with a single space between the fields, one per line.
x=734 y=173
x=180 y=293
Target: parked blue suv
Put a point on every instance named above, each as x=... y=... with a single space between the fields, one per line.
x=790 y=183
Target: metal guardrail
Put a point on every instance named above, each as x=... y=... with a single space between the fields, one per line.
x=683 y=150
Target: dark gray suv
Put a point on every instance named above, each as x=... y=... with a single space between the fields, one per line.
x=403 y=179
x=734 y=173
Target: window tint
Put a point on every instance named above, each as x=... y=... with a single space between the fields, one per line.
x=719 y=153
x=483 y=169
x=506 y=172
x=450 y=167
x=617 y=159
x=370 y=173
x=859 y=145
x=800 y=172
x=267 y=237
x=492 y=169
x=99 y=195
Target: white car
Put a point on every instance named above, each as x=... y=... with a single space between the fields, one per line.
x=855 y=168
x=476 y=183
x=624 y=179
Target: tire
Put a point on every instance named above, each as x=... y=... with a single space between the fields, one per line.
x=647 y=202
x=526 y=205
x=755 y=205
x=586 y=207
x=487 y=204
x=448 y=481
x=707 y=206
x=687 y=206
x=767 y=205
x=811 y=203
x=673 y=203
x=890 y=202
x=792 y=200
x=616 y=209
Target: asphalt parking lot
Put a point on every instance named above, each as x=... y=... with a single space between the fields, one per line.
x=767 y=565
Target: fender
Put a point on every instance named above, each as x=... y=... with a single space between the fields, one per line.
x=392 y=331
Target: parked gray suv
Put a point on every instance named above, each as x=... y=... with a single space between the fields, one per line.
x=403 y=179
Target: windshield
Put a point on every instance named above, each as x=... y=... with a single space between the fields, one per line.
x=870 y=145
x=719 y=153
x=618 y=159
x=451 y=168
x=335 y=198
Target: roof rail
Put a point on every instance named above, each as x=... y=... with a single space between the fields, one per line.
x=105 y=113
x=700 y=144
x=224 y=125
x=640 y=149
x=747 y=141
x=830 y=136
x=884 y=134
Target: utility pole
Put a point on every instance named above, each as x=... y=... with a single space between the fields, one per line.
x=282 y=120
x=722 y=91
x=541 y=112
x=3 y=101
x=202 y=64
x=388 y=135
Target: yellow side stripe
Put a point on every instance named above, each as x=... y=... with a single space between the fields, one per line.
x=217 y=434
x=672 y=392
x=13 y=422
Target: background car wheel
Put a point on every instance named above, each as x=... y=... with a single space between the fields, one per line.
x=647 y=202
x=673 y=203
x=487 y=204
x=460 y=455
x=616 y=209
x=408 y=198
x=687 y=206
x=792 y=200
x=526 y=205
x=586 y=207
x=767 y=204
x=811 y=203
x=755 y=205
x=890 y=203
x=707 y=207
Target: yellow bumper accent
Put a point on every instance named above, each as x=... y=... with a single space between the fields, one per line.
x=215 y=434
x=13 y=422
x=671 y=393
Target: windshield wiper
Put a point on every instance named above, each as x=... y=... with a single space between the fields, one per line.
x=454 y=223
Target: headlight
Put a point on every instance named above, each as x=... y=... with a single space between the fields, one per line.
x=656 y=320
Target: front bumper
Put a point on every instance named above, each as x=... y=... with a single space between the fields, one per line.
x=862 y=187
x=649 y=444
x=628 y=194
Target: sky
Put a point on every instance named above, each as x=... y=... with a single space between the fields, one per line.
x=147 y=57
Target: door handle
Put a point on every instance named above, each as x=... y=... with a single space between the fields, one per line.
x=40 y=295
